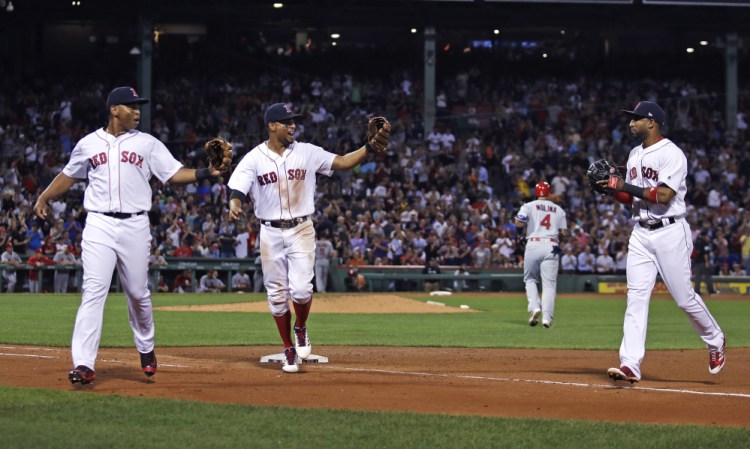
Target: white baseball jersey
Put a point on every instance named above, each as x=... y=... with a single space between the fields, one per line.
x=663 y=250
x=282 y=187
x=118 y=169
x=660 y=163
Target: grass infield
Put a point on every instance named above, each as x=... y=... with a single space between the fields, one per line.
x=31 y=418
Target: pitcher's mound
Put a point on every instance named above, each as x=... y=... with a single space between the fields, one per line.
x=364 y=303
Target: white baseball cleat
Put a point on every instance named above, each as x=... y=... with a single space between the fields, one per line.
x=534 y=319
x=546 y=324
x=291 y=361
x=302 y=342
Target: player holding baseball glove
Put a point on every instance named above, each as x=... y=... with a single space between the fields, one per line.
x=280 y=177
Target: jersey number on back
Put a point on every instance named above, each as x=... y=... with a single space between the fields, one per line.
x=545 y=222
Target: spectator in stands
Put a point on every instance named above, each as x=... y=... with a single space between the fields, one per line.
x=157 y=258
x=35 y=237
x=210 y=283
x=621 y=257
x=605 y=264
x=737 y=270
x=586 y=261
x=11 y=260
x=227 y=242
x=569 y=261
x=481 y=255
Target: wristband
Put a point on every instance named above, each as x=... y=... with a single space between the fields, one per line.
x=624 y=198
x=201 y=174
x=204 y=173
x=369 y=148
x=633 y=190
x=652 y=195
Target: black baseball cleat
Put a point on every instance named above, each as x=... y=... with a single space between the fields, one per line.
x=82 y=374
x=148 y=363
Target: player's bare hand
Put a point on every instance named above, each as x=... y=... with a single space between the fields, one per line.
x=235 y=213
x=40 y=209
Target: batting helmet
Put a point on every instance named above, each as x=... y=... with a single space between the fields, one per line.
x=541 y=189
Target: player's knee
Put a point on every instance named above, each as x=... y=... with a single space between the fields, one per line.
x=278 y=305
x=302 y=301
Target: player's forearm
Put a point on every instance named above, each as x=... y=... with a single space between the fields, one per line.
x=189 y=175
x=656 y=195
x=349 y=160
x=57 y=187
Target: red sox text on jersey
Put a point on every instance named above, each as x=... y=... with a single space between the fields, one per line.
x=126 y=156
x=297 y=174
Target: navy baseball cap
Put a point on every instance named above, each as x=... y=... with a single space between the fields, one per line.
x=278 y=112
x=124 y=95
x=648 y=109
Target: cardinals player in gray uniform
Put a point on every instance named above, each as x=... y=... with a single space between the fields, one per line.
x=280 y=177
x=661 y=241
x=544 y=221
x=117 y=161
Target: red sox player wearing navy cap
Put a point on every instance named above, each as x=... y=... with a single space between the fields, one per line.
x=279 y=175
x=118 y=162
x=661 y=241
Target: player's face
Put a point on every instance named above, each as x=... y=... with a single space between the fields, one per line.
x=284 y=130
x=129 y=115
x=640 y=126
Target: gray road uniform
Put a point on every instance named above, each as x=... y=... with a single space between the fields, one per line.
x=543 y=221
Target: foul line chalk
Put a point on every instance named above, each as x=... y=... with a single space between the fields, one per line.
x=556 y=382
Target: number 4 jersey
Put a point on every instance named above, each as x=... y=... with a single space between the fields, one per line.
x=543 y=218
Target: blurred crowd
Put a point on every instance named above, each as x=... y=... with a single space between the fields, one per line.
x=448 y=195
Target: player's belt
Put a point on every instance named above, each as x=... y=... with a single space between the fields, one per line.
x=654 y=225
x=121 y=215
x=285 y=224
x=543 y=239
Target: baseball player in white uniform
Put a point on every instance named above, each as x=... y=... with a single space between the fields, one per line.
x=544 y=221
x=661 y=241
x=279 y=175
x=117 y=162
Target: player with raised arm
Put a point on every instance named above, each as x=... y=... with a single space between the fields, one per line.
x=116 y=161
x=279 y=175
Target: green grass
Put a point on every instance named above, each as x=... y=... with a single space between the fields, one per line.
x=50 y=419
x=579 y=324
x=33 y=418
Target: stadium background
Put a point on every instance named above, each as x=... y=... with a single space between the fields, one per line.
x=54 y=52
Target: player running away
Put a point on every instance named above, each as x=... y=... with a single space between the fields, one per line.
x=544 y=221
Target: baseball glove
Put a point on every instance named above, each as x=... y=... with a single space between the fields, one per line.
x=219 y=154
x=603 y=170
x=378 y=134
